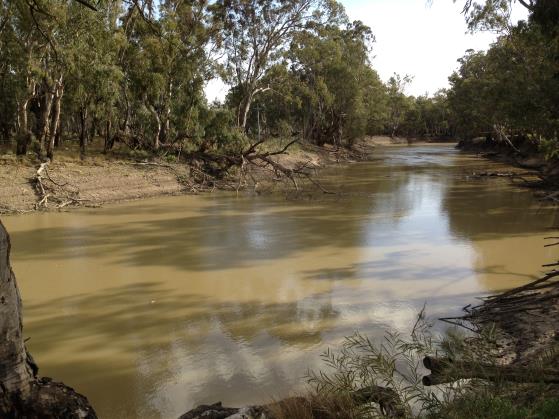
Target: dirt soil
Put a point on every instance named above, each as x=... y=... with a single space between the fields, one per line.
x=99 y=180
x=96 y=182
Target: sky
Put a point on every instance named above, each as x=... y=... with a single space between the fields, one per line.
x=412 y=37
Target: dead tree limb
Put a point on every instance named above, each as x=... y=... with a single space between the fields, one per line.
x=390 y=404
x=388 y=400
x=50 y=191
x=446 y=370
x=40 y=187
x=218 y=165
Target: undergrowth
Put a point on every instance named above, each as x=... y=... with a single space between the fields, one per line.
x=396 y=363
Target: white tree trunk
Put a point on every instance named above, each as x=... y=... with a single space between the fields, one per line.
x=55 y=123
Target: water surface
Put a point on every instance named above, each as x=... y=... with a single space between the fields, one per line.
x=152 y=307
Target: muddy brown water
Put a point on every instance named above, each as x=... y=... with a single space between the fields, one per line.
x=154 y=306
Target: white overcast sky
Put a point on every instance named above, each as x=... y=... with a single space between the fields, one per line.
x=412 y=37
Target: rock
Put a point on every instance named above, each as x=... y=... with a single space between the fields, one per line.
x=217 y=411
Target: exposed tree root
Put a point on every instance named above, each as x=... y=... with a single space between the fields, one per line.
x=526 y=318
x=46 y=400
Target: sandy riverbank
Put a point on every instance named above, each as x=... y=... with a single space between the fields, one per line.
x=100 y=180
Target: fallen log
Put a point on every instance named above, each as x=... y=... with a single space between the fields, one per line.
x=390 y=404
x=446 y=370
x=218 y=165
x=212 y=411
x=495 y=174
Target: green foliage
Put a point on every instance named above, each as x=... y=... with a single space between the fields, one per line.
x=550 y=148
x=221 y=133
x=135 y=72
x=490 y=406
x=513 y=85
x=513 y=88
x=395 y=362
x=328 y=92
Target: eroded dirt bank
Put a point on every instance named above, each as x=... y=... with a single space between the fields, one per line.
x=98 y=180
x=92 y=183
x=520 y=152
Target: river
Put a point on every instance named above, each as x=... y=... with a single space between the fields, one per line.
x=151 y=307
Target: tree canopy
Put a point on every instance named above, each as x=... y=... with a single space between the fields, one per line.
x=133 y=73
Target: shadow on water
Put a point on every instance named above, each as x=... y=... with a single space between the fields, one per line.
x=148 y=338
x=142 y=309
x=238 y=232
x=142 y=350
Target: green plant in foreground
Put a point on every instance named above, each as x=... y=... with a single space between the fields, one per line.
x=395 y=362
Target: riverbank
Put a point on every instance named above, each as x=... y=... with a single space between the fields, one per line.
x=101 y=179
x=519 y=153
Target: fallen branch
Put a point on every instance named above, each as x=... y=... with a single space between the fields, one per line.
x=40 y=187
x=390 y=404
x=50 y=191
x=218 y=165
x=446 y=370
x=494 y=174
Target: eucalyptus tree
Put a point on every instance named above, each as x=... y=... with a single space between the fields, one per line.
x=23 y=44
x=256 y=33
x=397 y=101
x=50 y=69
x=9 y=77
x=43 y=37
x=510 y=88
x=495 y=15
x=93 y=73
x=336 y=84
x=166 y=64
x=513 y=88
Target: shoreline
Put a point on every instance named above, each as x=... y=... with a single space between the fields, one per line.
x=101 y=180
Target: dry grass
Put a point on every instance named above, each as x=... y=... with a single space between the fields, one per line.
x=315 y=406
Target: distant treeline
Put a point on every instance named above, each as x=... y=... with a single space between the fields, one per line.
x=134 y=71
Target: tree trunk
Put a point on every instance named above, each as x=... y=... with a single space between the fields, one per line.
x=245 y=111
x=167 y=116
x=128 y=114
x=93 y=128
x=83 y=132
x=108 y=139
x=58 y=136
x=23 y=136
x=45 y=119
x=59 y=91
x=22 y=394
x=444 y=370
x=157 y=138
x=15 y=373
